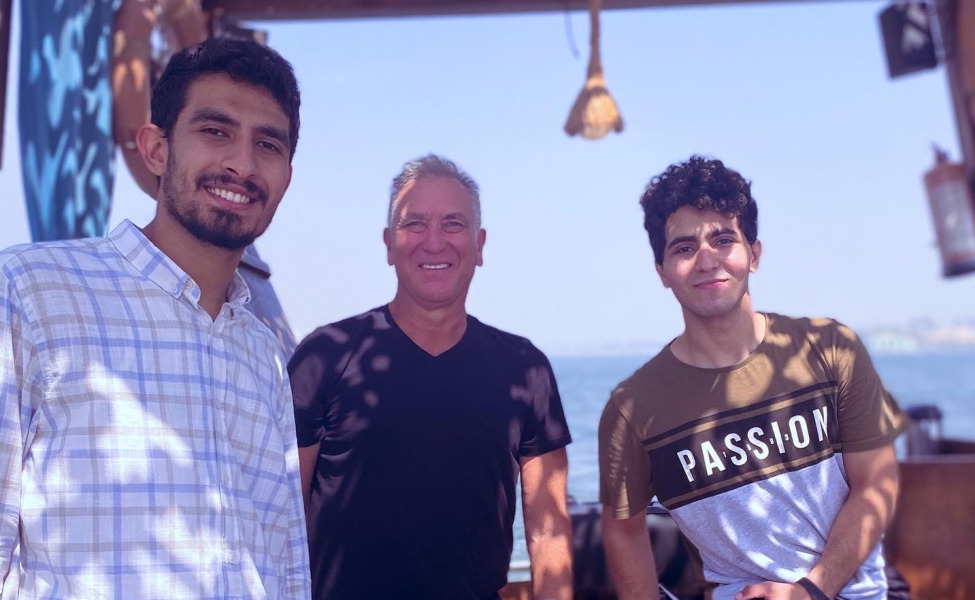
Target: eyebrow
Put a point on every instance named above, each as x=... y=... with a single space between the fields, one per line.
x=722 y=231
x=213 y=115
x=681 y=240
x=411 y=215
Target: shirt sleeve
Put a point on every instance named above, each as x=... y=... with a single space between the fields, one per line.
x=307 y=370
x=299 y=585
x=20 y=384
x=546 y=428
x=868 y=415
x=625 y=485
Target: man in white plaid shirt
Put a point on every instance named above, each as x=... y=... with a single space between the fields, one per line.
x=147 y=441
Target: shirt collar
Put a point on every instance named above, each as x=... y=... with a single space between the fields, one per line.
x=153 y=263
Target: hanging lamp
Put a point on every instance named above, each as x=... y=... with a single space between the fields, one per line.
x=594 y=112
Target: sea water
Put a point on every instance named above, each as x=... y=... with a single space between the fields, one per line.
x=944 y=380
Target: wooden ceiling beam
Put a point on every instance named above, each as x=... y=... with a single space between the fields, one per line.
x=300 y=10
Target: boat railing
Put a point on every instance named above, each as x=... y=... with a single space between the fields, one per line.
x=932 y=537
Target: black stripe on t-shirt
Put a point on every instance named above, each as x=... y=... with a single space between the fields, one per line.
x=706 y=420
x=730 y=449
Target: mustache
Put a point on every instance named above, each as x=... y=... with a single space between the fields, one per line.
x=252 y=189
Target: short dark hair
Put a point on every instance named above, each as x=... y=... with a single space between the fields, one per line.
x=242 y=60
x=703 y=184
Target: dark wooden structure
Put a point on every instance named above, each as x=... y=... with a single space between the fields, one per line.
x=932 y=537
x=262 y=10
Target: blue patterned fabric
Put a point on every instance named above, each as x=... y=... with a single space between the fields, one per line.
x=65 y=116
x=147 y=450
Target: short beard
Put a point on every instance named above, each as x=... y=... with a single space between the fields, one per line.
x=221 y=232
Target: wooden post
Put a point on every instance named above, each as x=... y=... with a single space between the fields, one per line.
x=954 y=18
x=5 y=6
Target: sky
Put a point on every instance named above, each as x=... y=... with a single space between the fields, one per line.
x=793 y=95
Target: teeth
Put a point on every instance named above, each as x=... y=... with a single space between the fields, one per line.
x=228 y=195
x=437 y=266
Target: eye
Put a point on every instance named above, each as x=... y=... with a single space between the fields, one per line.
x=414 y=226
x=269 y=146
x=213 y=131
x=454 y=226
x=723 y=241
x=682 y=249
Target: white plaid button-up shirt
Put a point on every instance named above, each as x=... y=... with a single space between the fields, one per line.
x=146 y=450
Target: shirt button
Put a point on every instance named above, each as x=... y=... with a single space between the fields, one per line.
x=231 y=558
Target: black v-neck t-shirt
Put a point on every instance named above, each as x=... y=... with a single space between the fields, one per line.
x=413 y=495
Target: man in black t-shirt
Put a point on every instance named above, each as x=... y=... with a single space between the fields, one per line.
x=415 y=421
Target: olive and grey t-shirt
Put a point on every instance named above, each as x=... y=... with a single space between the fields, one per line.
x=748 y=458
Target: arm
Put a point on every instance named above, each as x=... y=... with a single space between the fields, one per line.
x=131 y=58
x=629 y=556
x=20 y=382
x=872 y=475
x=307 y=458
x=548 y=530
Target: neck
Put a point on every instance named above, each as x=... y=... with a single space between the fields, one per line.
x=435 y=331
x=718 y=342
x=211 y=267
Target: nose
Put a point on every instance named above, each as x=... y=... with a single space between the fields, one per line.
x=433 y=239
x=240 y=160
x=707 y=258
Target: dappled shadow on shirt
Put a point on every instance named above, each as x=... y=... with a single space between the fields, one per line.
x=757 y=460
x=414 y=484
x=145 y=485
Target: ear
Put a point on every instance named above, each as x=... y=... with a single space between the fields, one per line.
x=388 y=240
x=481 y=238
x=663 y=277
x=287 y=184
x=756 y=254
x=154 y=148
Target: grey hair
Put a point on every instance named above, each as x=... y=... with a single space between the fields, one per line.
x=432 y=165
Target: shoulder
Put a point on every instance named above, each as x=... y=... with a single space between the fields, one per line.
x=345 y=331
x=504 y=342
x=46 y=252
x=40 y=264
x=821 y=332
x=656 y=375
x=638 y=397
x=336 y=338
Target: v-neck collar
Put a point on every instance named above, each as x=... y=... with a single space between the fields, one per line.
x=443 y=355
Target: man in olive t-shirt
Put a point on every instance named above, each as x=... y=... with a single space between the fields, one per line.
x=770 y=439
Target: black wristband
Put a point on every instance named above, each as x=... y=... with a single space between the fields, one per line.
x=812 y=589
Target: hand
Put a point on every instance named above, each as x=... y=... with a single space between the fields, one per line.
x=771 y=590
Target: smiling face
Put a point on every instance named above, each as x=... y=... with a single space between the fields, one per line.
x=706 y=263
x=434 y=244
x=226 y=163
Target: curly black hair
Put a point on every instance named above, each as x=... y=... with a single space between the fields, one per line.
x=242 y=60
x=704 y=184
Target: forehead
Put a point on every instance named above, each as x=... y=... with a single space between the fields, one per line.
x=248 y=103
x=689 y=221
x=435 y=195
